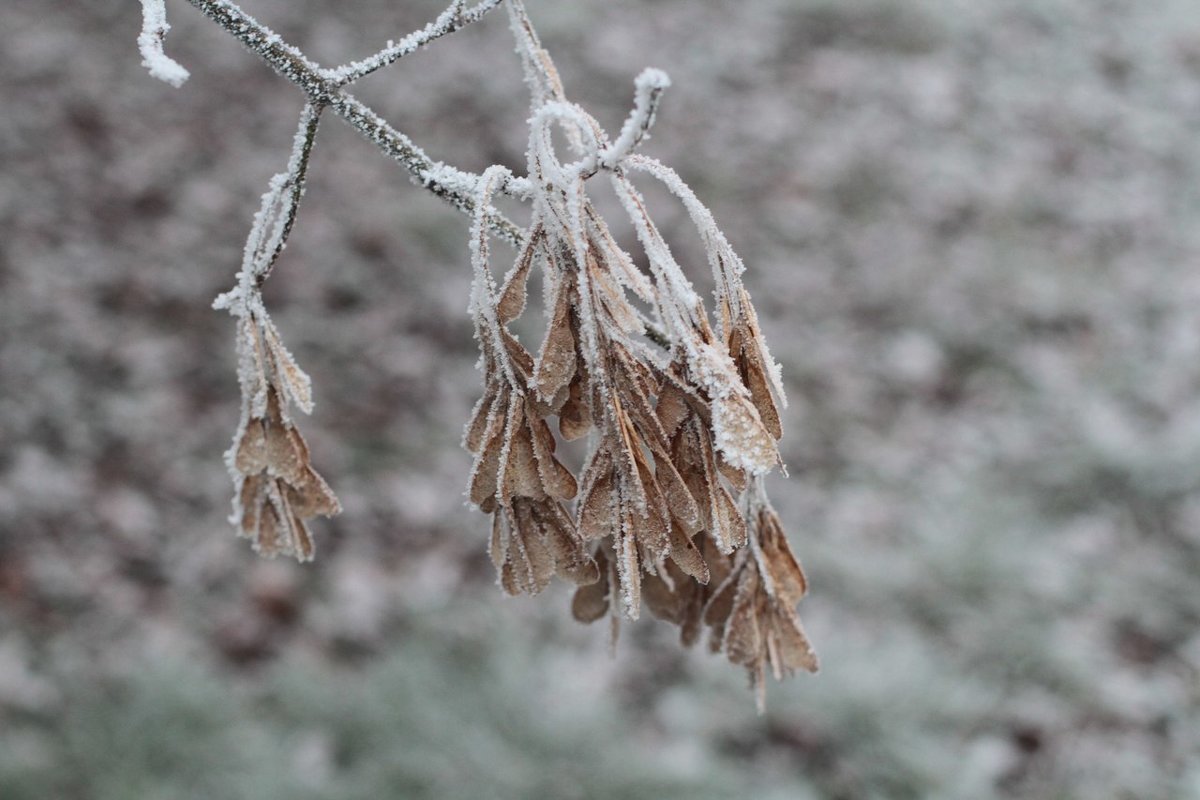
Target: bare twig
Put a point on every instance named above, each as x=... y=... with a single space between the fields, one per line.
x=448 y=183
x=297 y=172
x=150 y=44
x=649 y=87
x=452 y=19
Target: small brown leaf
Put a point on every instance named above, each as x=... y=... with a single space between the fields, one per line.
x=662 y=601
x=311 y=496
x=556 y=359
x=651 y=529
x=672 y=408
x=512 y=295
x=746 y=349
x=792 y=650
x=590 y=602
x=267 y=542
x=598 y=510
x=720 y=604
x=498 y=543
x=518 y=356
x=787 y=577
x=294 y=382
x=743 y=639
x=484 y=473
x=575 y=416
x=521 y=476
x=481 y=418
x=535 y=563
x=598 y=504
x=557 y=480
x=287 y=454
x=738 y=478
x=508 y=580
x=250 y=498
x=251 y=453
x=572 y=561
x=687 y=556
x=299 y=539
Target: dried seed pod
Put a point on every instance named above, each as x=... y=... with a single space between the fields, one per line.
x=752 y=612
x=673 y=438
x=575 y=415
x=278 y=489
x=591 y=601
x=556 y=358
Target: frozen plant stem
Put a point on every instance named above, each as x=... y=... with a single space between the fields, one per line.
x=679 y=408
x=324 y=88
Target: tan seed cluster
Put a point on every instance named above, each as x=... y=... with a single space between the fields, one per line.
x=277 y=487
x=680 y=419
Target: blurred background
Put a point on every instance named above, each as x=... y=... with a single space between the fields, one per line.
x=971 y=234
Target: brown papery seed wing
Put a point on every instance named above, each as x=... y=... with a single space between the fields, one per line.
x=251 y=455
x=743 y=640
x=575 y=416
x=590 y=602
x=687 y=556
x=512 y=295
x=556 y=359
x=557 y=480
x=794 y=649
x=786 y=572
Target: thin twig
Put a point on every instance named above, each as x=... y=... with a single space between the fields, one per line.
x=649 y=87
x=150 y=43
x=448 y=183
x=306 y=134
x=449 y=21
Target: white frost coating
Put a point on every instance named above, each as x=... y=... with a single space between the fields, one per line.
x=540 y=74
x=150 y=44
x=454 y=17
x=648 y=88
x=737 y=429
x=276 y=211
x=483 y=288
x=578 y=124
x=676 y=288
x=726 y=264
x=450 y=178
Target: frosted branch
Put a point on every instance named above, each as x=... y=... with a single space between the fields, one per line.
x=452 y=19
x=297 y=172
x=273 y=223
x=541 y=76
x=452 y=185
x=648 y=89
x=150 y=44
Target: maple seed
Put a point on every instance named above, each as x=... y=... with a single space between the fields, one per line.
x=672 y=440
x=678 y=410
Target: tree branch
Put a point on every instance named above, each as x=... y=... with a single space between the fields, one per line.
x=449 y=21
x=450 y=184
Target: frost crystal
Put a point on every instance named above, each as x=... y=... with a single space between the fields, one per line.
x=150 y=44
